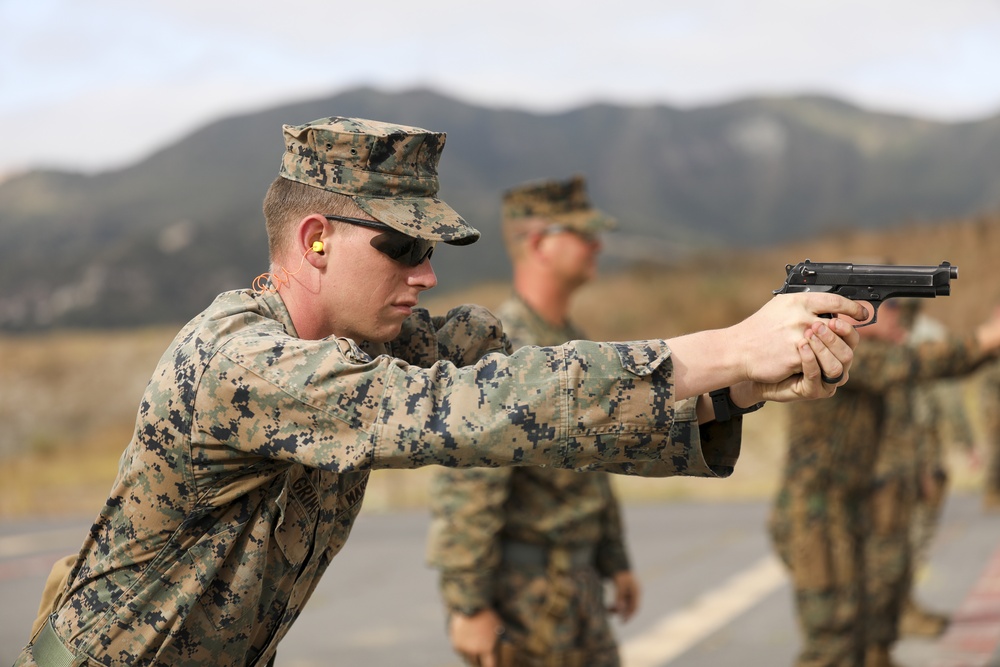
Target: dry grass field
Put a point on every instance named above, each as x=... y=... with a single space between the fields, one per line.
x=68 y=399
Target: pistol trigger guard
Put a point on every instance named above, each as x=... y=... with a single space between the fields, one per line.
x=874 y=305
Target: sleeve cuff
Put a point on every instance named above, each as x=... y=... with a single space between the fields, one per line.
x=466 y=592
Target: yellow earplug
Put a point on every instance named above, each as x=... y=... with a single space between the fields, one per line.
x=269 y=282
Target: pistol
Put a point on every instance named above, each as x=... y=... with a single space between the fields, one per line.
x=869 y=282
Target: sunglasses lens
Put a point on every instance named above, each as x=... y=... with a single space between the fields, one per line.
x=404 y=249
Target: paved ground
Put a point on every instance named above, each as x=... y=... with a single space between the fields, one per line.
x=712 y=594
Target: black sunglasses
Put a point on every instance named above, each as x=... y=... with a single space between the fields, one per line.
x=393 y=244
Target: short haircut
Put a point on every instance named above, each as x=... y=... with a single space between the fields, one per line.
x=287 y=202
x=516 y=238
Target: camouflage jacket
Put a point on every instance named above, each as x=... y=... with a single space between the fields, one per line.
x=475 y=510
x=939 y=414
x=834 y=444
x=989 y=401
x=252 y=448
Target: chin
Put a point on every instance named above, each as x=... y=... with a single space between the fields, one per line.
x=385 y=334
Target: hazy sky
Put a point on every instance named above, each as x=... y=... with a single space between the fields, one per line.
x=96 y=84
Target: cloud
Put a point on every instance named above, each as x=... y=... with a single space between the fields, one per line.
x=173 y=64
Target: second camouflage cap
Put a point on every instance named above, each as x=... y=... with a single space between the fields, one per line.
x=563 y=203
x=390 y=171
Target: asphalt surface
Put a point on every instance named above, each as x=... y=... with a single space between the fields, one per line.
x=712 y=594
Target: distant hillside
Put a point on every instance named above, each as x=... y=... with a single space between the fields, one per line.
x=155 y=242
x=54 y=461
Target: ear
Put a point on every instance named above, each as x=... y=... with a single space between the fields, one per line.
x=313 y=238
x=536 y=244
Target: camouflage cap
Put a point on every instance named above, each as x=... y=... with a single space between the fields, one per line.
x=540 y=204
x=390 y=171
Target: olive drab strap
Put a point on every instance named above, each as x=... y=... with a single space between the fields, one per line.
x=48 y=651
x=55 y=586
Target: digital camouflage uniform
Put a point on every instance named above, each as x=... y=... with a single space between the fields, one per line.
x=553 y=610
x=252 y=447
x=842 y=526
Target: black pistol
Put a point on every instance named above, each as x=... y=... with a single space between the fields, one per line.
x=869 y=282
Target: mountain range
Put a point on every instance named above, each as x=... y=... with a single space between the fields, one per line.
x=154 y=242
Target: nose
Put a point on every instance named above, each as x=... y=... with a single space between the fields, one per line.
x=422 y=276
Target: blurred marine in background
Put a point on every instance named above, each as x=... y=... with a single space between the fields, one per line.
x=523 y=552
x=939 y=419
x=842 y=519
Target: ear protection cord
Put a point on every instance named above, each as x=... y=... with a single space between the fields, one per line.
x=270 y=282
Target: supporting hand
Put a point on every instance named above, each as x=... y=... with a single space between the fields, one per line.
x=783 y=351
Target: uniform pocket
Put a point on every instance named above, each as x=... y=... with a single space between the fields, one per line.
x=295 y=520
x=252 y=567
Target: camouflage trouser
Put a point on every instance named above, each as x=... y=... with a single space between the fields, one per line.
x=927 y=513
x=554 y=618
x=814 y=535
x=889 y=556
x=849 y=558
